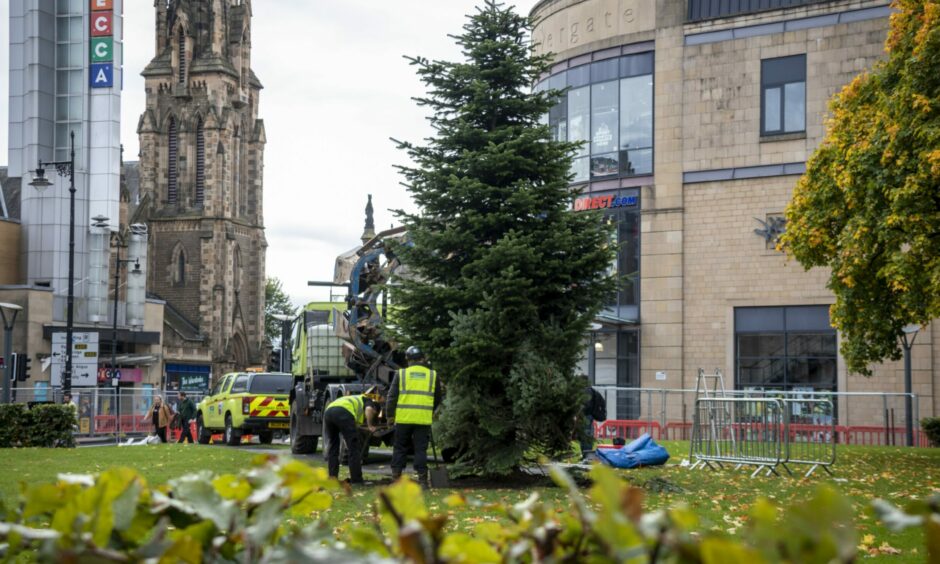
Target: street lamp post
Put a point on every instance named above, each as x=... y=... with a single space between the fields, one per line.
x=593 y=349
x=13 y=309
x=102 y=222
x=285 y=340
x=910 y=333
x=65 y=168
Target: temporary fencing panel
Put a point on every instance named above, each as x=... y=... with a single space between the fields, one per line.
x=740 y=431
x=809 y=433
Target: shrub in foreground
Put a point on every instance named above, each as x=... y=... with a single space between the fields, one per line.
x=252 y=517
x=42 y=426
x=931 y=426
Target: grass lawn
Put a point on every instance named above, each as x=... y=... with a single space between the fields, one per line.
x=722 y=498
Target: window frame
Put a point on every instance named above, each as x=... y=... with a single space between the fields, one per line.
x=780 y=83
x=784 y=356
x=589 y=75
x=239 y=380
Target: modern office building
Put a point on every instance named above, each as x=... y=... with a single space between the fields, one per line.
x=697 y=119
x=65 y=84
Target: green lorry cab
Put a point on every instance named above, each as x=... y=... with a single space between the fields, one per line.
x=243 y=403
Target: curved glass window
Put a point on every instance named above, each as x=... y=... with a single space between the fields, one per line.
x=609 y=109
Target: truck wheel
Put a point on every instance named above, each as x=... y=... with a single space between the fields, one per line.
x=233 y=437
x=202 y=434
x=301 y=444
x=265 y=437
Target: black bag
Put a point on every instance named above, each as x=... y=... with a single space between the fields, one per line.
x=598 y=406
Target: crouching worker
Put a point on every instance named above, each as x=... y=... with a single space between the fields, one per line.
x=412 y=398
x=343 y=417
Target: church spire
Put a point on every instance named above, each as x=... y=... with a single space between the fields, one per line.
x=369 y=231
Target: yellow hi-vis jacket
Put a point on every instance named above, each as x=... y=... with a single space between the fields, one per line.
x=352 y=404
x=416 y=386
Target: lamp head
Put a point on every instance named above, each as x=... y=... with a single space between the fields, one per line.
x=40 y=181
x=100 y=221
x=913 y=328
x=598 y=346
x=136 y=270
x=10 y=307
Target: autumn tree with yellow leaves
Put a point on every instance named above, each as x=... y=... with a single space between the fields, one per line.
x=868 y=206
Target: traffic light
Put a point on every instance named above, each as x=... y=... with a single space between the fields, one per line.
x=22 y=367
x=274 y=362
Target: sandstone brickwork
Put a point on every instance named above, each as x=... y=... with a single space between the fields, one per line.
x=700 y=257
x=207 y=243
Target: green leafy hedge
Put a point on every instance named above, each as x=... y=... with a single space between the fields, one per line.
x=252 y=517
x=41 y=426
x=931 y=426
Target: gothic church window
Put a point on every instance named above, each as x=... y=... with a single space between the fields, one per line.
x=172 y=191
x=236 y=269
x=182 y=56
x=180 y=277
x=200 y=164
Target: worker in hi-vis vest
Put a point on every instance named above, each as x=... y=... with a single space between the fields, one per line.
x=343 y=416
x=413 y=395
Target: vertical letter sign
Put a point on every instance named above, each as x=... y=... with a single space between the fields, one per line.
x=101 y=73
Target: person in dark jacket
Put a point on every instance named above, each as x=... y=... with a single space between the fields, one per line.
x=187 y=412
x=586 y=438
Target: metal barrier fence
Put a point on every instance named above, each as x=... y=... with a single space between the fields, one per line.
x=809 y=434
x=107 y=411
x=858 y=418
x=740 y=431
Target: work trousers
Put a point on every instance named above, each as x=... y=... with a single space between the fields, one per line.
x=340 y=422
x=586 y=438
x=186 y=433
x=405 y=434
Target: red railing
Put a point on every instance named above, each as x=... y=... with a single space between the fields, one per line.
x=682 y=431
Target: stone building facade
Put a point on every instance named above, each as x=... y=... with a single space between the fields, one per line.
x=698 y=118
x=200 y=173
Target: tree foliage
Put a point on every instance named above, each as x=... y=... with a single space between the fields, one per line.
x=503 y=278
x=276 y=302
x=868 y=206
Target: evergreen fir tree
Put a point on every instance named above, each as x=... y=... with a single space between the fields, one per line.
x=503 y=279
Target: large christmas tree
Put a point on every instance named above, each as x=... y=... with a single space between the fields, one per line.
x=503 y=279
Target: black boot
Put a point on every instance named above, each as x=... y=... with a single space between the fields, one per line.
x=422 y=479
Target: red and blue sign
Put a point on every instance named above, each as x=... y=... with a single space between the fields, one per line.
x=101 y=47
x=610 y=201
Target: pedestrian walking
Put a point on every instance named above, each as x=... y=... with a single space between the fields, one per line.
x=160 y=415
x=412 y=398
x=343 y=416
x=186 y=410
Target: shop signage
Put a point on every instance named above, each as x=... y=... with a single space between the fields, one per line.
x=194 y=382
x=101 y=46
x=609 y=201
x=124 y=374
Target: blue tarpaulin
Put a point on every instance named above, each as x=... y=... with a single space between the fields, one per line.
x=642 y=452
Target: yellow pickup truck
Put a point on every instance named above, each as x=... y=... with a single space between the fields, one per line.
x=242 y=403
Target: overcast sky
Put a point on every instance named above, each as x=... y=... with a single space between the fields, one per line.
x=335 y=89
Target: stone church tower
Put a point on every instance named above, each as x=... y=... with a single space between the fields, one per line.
x=201 y=165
